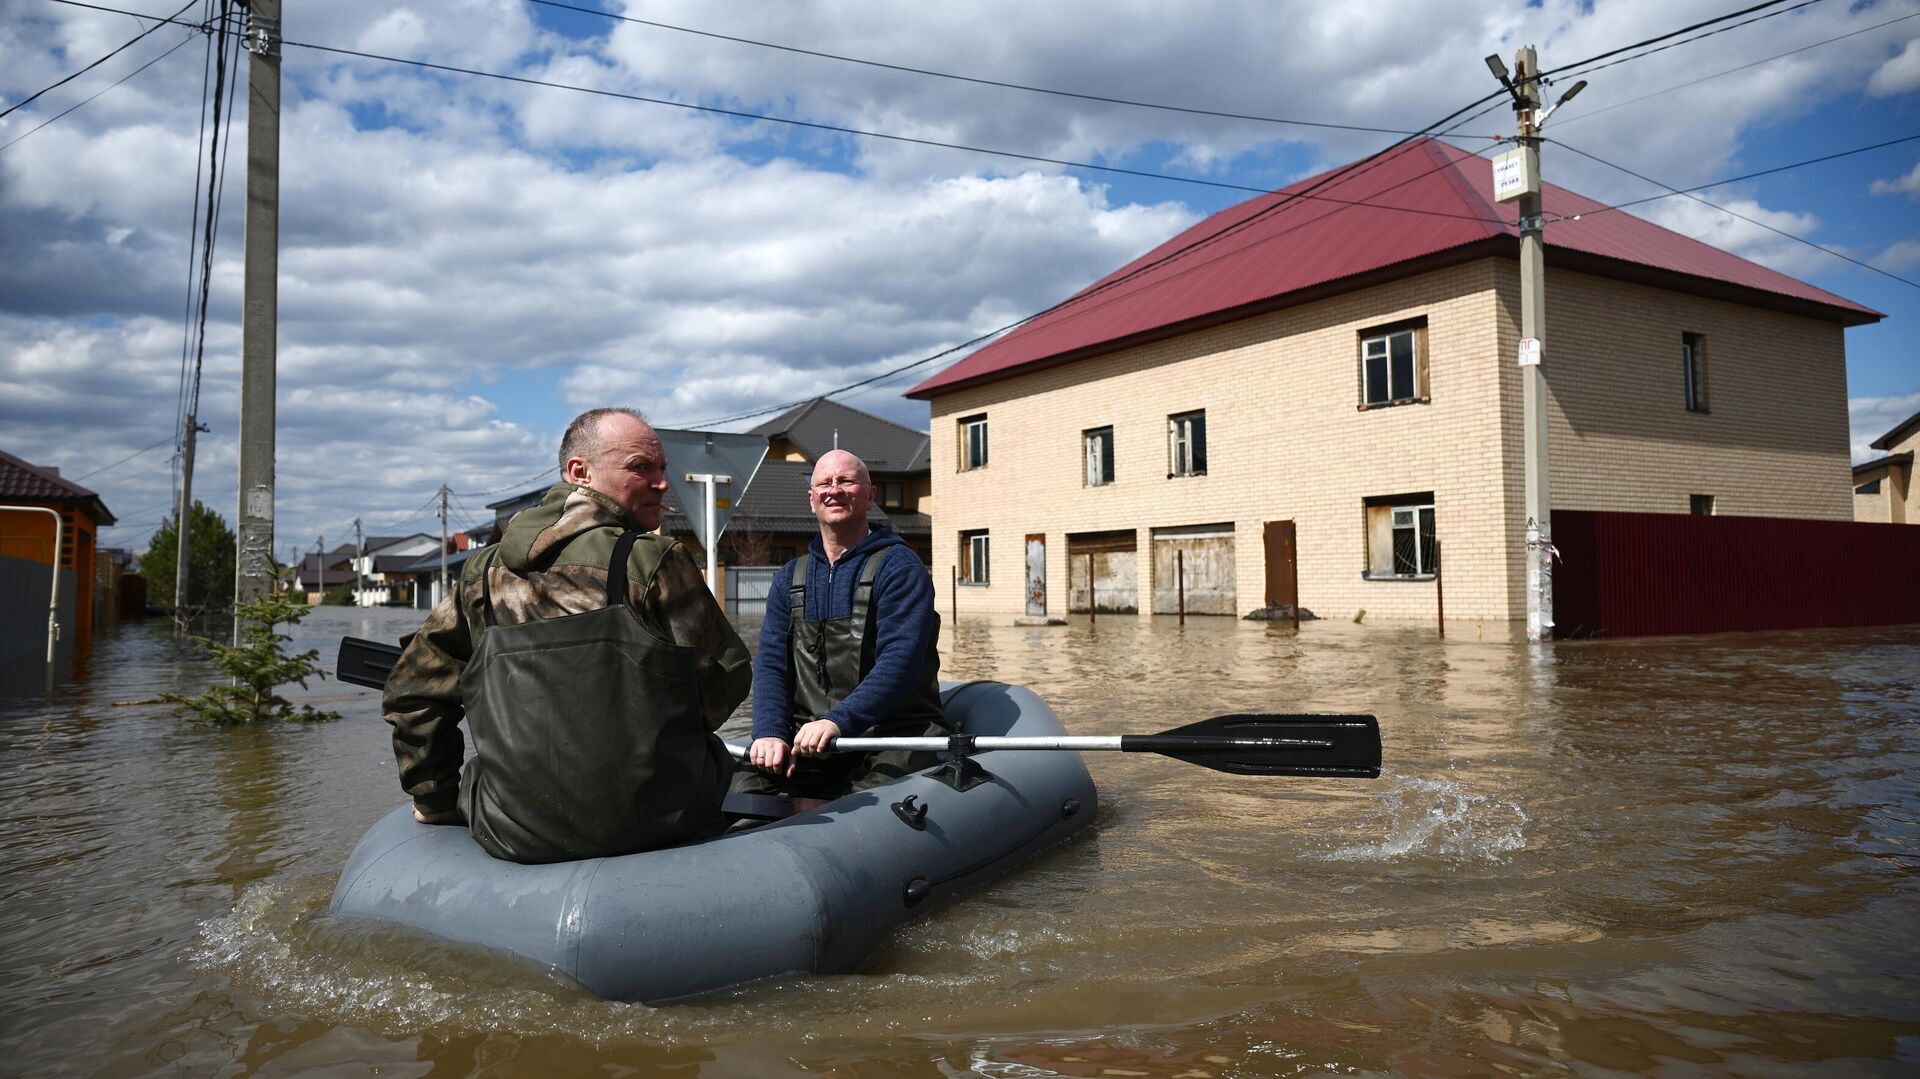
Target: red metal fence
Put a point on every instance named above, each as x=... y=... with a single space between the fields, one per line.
x=1647 y=574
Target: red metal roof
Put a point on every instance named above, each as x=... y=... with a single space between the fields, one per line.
x=21 y=481
x=1412 y=208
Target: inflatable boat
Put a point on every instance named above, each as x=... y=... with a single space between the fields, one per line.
x=812 y=893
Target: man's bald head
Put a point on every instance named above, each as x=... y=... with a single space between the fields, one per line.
x=841 y=494
x=842 y=464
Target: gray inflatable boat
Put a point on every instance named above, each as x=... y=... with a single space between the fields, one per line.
x=812 y=893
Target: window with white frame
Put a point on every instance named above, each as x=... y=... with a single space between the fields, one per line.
x=1393 y=365
x=1693 y=371
x=973 y=442
x=1097 y=446
x=973 y=557
x=1401 y=536
x=1187 y=444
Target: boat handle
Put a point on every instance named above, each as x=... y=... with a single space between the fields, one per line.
x=913 y=811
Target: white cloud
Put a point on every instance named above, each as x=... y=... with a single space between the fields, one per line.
x=1744 y=237
x=1901 y=255
x=464 y=262
x=1868 y=418
x=1908 y=185
x=1899 y=75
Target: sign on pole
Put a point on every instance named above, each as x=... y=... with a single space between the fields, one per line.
x=712 y=454
x=1511 y=177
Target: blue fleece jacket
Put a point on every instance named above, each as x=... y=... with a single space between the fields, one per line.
x=905 y=627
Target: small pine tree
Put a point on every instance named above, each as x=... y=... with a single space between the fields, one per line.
x=257 y=665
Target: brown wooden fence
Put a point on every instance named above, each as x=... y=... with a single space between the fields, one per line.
x=1645 y=574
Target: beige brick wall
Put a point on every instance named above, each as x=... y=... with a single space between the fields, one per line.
x=1286 y=440
x=1772 y=443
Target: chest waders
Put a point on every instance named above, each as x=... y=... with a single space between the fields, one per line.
x=588 y=735
x=828 y=658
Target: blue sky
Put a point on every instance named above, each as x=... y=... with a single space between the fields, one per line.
x=466 y=263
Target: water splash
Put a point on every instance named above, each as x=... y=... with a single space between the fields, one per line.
x=1436 y=818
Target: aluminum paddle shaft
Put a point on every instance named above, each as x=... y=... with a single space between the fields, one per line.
x=1259 y=744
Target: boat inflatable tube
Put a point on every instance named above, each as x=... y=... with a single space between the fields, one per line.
x=813 y=893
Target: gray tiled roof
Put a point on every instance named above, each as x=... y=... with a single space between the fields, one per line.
x=885 y=446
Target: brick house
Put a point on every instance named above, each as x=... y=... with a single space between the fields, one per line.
x=1883 y=488
x=1333 y=380
x=26 y=552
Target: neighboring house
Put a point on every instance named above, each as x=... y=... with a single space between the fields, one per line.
x=1330 y=383
x=1883 y=487
x=774 y=524
x=27 y=552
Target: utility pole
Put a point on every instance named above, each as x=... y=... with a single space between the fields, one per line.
x=253 y=561
x=182 y=527
x=356 y=562
x=443 y=545
x=1533 y=327
x=321 y=542
x=1517 y=178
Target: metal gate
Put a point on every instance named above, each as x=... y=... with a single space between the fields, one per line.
x=1109 y=562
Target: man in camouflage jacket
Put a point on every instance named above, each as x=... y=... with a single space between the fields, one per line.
x=553 y=562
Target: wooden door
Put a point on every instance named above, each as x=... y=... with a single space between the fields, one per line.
x=1283 y=571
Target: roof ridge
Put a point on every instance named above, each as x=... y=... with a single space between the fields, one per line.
x=50 y=477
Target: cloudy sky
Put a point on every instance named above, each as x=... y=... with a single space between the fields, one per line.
x=466 y=262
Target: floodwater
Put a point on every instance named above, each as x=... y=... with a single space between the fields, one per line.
x=1685 y=856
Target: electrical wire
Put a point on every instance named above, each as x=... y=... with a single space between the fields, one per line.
x=1587 y=114
x=29 y=99
x=125 y=459
x=1671 y=190
x=97 y=93
x=1592 y=63
x=518 y=486
x=1188 y=110
x=1341 y=175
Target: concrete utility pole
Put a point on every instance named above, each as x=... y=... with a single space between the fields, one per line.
x=1533 y=327
x=253 y=561
x=181 y=527
x=356 y=562
x=443 y=545
x=321 y=542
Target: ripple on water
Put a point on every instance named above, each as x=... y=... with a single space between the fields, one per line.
x=1436 y=818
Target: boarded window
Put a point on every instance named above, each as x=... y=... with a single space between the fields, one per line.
x=1401 y=531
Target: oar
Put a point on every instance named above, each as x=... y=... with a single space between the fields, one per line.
x=366 y=663
x=1248 y=744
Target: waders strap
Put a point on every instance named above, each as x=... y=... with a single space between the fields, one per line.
x=863 y=592
x=617 y=569
x=797 y=589
x=486 y=587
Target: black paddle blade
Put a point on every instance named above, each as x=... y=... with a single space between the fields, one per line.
x=1260 y=744
x=366 y=663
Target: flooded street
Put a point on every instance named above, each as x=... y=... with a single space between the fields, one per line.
x=1683 y=856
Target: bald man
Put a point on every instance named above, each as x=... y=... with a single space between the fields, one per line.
x=849 y=647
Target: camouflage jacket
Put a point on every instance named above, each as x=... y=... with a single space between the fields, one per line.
x=552 y=561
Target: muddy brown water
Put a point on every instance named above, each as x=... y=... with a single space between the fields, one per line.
x=1682 y=856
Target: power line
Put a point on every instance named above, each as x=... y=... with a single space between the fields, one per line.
x=125 y=459
x=979 y=81
x=86 y=100
x=1340 y=175
x=520 y=485
x=1592 y=63
x=29 y=99
x=1586 y=114
x=1671 y=190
